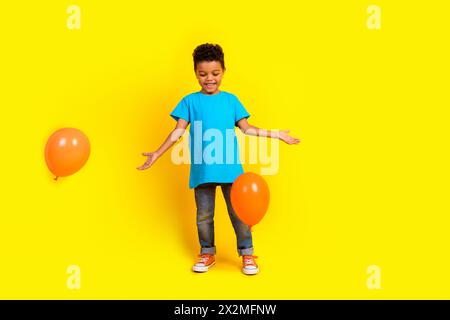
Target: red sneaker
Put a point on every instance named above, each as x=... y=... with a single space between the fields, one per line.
x=249 y=265
x=205 y=261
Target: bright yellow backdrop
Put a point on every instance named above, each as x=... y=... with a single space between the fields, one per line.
x=368 y=184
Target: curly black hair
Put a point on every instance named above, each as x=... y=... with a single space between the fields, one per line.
x=208 y=52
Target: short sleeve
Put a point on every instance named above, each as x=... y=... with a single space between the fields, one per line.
x=239 y=110
x=181 y=111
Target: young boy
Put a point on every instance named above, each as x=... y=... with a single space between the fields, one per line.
x=213 y=111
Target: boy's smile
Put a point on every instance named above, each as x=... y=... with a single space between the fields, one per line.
x=209 y=75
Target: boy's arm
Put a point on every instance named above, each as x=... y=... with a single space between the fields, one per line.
x=173 y=137
x=248 y=129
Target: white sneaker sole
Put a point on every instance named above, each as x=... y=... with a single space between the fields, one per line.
x=250 y=271
x=202 y=269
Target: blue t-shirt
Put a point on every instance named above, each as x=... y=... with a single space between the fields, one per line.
x=212 y=138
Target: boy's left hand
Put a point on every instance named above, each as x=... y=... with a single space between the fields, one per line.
x=283 y=135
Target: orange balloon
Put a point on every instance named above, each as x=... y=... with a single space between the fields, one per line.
x=250 y=197
x=66 y=152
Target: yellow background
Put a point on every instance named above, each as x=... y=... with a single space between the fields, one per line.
x=368 y=184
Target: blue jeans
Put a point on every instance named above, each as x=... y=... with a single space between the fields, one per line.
x=205 y=195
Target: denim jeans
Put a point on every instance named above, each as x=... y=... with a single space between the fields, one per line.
x=205 y=195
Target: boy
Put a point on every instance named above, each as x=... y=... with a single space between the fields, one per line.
x=211 y=110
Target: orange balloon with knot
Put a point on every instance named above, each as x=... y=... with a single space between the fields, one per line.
x=66 y=151
x=250 y=198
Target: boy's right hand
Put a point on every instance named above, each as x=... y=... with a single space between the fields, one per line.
x=152 y=156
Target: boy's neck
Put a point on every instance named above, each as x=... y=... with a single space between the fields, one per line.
x=210 y=94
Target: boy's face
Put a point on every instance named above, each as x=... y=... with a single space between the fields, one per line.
x=209 y=75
